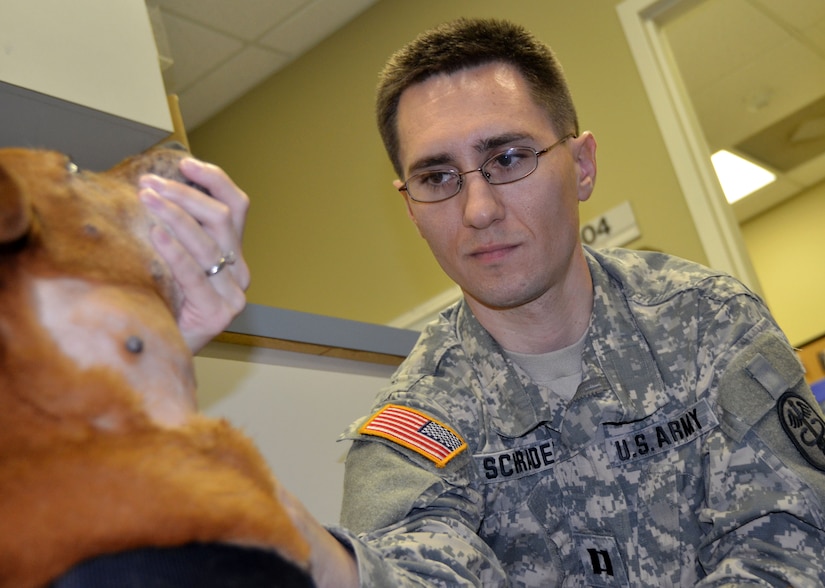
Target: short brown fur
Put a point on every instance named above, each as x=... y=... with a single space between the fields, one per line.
x=86 y=466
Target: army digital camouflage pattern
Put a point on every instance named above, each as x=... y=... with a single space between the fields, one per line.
x=669 y=467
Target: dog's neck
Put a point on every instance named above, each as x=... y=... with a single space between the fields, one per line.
x=126 y=333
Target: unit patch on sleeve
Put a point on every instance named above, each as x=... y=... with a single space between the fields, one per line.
x=804 y=426
x=415 y=430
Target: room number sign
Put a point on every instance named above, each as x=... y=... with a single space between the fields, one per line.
x=615 y=228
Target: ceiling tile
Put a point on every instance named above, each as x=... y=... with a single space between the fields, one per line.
x=778 y=146
x=314 y=22
x=798 y=14
x=196 y=50
x=231 y=80
x=714 y=39
x=244 y=19
x=731 y=109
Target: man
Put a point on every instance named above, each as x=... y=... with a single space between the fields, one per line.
x=580 y=417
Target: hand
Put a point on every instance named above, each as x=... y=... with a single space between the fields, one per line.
x=199 y=231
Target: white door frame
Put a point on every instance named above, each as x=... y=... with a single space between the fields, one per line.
x=713 y=217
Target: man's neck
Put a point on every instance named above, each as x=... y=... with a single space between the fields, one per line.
x=555 y=320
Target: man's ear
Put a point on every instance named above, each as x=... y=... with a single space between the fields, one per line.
x=584 y=152
x=397 y=184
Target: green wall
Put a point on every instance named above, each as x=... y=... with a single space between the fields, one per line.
x=787 y=247
x=327 y=232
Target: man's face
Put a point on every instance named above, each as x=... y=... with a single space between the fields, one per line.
x=504 y=245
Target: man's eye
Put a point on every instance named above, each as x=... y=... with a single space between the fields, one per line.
x=508 y=158
x=436 y=178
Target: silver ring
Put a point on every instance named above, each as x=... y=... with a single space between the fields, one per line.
x=226 y=259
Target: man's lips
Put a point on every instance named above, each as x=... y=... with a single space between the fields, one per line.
x=493 y=252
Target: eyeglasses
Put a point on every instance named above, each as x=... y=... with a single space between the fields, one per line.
x=505 y=167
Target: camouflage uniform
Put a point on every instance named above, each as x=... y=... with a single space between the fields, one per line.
x=690 y=454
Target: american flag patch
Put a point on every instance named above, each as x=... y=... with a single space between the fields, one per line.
x=415 y=430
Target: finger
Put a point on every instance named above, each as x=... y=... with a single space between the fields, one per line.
x=206 y=210
x=201 y=228
x=208 y=304
x=185 y=227
x=220 y=186
x=202 y=224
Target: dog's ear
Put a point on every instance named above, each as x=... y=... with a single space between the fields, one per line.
x=15 y=207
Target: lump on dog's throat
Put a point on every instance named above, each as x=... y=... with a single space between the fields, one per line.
x=134 y=344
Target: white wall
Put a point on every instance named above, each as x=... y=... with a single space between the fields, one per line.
x=294 y=406
x=81 y=77
x=94 y=53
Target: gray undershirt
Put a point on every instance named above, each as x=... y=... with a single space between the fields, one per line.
x=560 y=371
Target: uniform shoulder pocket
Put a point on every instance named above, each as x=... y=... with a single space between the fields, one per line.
x=755 y=380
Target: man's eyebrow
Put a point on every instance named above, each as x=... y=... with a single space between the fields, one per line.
x=490 y=143
x=442 y=160
x=439 y=160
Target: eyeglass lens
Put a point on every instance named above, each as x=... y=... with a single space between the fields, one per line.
x=505 y=167
x=508 y=166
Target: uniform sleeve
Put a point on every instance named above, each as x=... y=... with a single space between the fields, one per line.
x=411 y=526
x=764 y=482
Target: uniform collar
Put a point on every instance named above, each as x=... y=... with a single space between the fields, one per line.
x=513 y=403
x=619 y=344
x=621 y=381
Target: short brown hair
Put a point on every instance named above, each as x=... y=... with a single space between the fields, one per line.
x=467 y=43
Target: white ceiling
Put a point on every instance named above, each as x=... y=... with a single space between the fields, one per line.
x=754 y=69
x=214 y=51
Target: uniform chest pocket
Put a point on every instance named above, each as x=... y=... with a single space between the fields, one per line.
x=665 y=494
x=659 y=464
x=584 y=518
x=669 y=492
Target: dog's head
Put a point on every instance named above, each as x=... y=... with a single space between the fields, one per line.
x=82 y=288
x=56 y=219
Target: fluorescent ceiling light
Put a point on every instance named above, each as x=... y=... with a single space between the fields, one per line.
x=739 y=177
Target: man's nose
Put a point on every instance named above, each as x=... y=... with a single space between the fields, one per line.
x=482 y=203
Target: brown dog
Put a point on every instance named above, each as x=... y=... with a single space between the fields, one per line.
x=101 y=450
